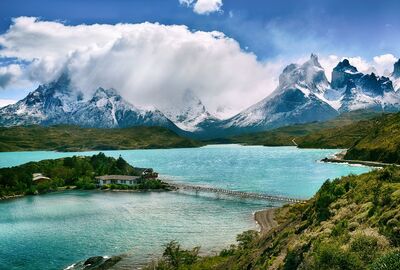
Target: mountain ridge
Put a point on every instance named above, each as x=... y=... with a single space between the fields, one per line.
x=303 y=95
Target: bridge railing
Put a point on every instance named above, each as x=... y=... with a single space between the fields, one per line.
x=243 y=194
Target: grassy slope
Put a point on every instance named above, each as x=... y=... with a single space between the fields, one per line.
x=367 y=136
x=351 y=223
x=381 y=143
x=283 y=136
x=71 y=138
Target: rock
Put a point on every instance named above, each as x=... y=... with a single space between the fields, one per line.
x=100 y=263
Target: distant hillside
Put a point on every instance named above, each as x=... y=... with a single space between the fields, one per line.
x=284 y=136
x=72 y=138
x=381 y=142
x=351 y=223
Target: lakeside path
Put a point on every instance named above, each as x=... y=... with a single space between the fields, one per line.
x=266 y=219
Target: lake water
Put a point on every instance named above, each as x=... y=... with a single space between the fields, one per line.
x=55 y=230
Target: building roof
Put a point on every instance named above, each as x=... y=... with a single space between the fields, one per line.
x=39 y=176
x=117 y=177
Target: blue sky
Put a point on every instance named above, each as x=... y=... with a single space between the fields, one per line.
x=275 y=33
x=361 y=27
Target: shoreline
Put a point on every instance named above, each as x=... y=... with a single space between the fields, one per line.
x=61 y=190
x=265 y=219
x=359 y=162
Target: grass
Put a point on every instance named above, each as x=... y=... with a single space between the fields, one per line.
x=72 y=138
x=284 y=136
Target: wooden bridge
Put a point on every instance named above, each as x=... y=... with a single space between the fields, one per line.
x=240 y=194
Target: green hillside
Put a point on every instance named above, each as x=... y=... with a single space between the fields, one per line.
x=352 y=223
x=284 y=136
x=72 y=138
x=381 y=142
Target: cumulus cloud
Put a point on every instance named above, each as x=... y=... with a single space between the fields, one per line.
x=9 y=74
x=203 y=6
x=149 y=64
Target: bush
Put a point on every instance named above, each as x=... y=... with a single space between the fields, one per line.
x=175 y=256
x=246 y=239
x=389 y=261
x=85 y=183
x=226 y=252
x=340 y=228
x=295 y=257
x=331 y=256
x=366 y=247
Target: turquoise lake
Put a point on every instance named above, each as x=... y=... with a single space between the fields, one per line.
x=53 y=231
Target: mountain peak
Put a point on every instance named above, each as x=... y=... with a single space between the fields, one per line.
x=105 y=93
x=314 y=60
x=310 y=77
x=396 y=70
x=345 y=66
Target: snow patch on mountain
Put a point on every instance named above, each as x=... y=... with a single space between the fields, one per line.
x=189 y=113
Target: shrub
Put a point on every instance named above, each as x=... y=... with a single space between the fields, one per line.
x=366 y=247
x=175 y=256
x=389 y=261
x=246 y=239
x=226 y=252
x=85 y=183
x=340 y=228
x=331 y=256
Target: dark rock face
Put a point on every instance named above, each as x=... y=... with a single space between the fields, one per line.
x=343 y=73
x=375 y=86
x=396 y=69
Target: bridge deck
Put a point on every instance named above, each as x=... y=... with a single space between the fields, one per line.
x=241 y=194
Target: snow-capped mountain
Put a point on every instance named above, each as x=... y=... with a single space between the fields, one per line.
x=395 y=76
x=58 y=103
x=303 y=95
x=189 y=113
x=295 y=100
x=353 y=90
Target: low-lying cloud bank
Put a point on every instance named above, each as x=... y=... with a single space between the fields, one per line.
x=150 y=64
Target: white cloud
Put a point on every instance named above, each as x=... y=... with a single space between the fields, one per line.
x=203 y=6
x=149 y=64
x=385 y=63
x=9 y=74
x=5 y=102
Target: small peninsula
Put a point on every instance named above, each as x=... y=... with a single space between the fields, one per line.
x=78 y=172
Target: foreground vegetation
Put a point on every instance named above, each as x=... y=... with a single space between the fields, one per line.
x=74 y=171
x=351 y=223
x=72 y=138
